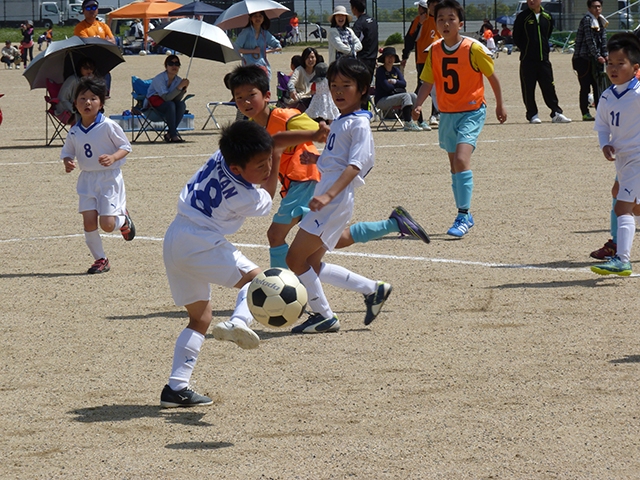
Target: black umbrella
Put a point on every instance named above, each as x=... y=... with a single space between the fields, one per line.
x=196 y=8
x=62 y=59
x=196 y=39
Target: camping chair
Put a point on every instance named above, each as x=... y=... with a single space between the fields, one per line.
x=59 y=123
x=282 y=90
x=385 y=116
x=147 y=121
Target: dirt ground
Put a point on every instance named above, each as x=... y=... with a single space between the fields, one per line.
x=499 y=355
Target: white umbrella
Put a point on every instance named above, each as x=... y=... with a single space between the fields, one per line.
x=197 y=38
x=237 y=15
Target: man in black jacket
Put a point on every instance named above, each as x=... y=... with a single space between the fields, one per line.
x=531 y=32
x=366 y=29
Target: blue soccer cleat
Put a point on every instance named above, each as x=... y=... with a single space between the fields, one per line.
x=461 y=225
x=614 y=266
x=316 y=323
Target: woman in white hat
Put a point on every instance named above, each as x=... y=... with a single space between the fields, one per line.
x=342 y=40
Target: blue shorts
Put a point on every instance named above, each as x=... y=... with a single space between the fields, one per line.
x=463 y=127
x=295 y=203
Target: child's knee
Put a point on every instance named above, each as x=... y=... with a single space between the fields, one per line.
x=108 y=224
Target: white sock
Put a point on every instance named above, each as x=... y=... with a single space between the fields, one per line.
x=185 y=356
x=120 y=219
x=241 y=314
x=94 y=242
x=341 y=277
x=626 y=230
x=316 y=297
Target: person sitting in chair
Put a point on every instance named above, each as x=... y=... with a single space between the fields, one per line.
x=165 y=95
x=391 y=89
x=67 y=95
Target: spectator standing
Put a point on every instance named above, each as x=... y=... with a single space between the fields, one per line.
x=255 y=41
x=590 y=55
x=531 y=32
x=294 y=24
x=342 y=40
x=421 y=34
x=26 y=44
x=91 y=26
x=366 y=29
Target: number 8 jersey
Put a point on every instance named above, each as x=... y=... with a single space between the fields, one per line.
x=104 y=136
x=457 y=74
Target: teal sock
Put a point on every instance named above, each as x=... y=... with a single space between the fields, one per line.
x=614 y=222
x=464 y=187
x=454 y=187
x=362 y=232
x=278 y=256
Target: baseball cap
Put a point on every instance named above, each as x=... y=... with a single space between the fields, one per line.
x=89 y=3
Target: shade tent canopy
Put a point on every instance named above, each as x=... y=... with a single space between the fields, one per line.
x=145 y=10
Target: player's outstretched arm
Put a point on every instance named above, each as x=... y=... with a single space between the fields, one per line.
x=501 y=112
x=271 y=183
x=293 y=137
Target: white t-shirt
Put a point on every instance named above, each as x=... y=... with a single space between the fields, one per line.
x=217 y=199
x=617 y=116
x=350 y=142
x=104 y=136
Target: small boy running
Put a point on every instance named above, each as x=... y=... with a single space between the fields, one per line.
x=237 y=182
x=250 y=88
x=346 y=160
x=617 y=119
x=456 y=64
x=100 y=146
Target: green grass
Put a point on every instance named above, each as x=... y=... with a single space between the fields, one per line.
x=15 y=35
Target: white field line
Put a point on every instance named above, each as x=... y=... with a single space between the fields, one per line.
x=344 y=254
x=400 y=145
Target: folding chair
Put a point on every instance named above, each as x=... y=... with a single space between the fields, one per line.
x=146 y=121
x=59 y=123
x=384 y=117
x=282 y=90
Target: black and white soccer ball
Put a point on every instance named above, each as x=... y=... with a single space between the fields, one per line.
x=276 y=298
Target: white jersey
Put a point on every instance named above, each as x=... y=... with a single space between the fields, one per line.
x=350 y=142
x=617 y=115
x=218 y=200
x=104 y=136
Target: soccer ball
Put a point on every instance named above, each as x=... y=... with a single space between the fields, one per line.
x=276 y=298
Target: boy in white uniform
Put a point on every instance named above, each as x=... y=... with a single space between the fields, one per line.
x=237 y=182
x=345 y=161
x=100 y=146
x=617 y=120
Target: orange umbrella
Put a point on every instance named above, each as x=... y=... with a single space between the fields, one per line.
x=145 y=10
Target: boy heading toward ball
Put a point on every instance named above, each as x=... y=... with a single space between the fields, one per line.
x=237 y=182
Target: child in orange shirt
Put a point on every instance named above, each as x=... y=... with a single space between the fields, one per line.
x=455 y=65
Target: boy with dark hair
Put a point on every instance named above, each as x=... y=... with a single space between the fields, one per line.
x=237 y=182
x=250 y=88
x=455 y=65
x=618 y=135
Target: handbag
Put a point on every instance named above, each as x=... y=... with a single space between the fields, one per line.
x=156 y=100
